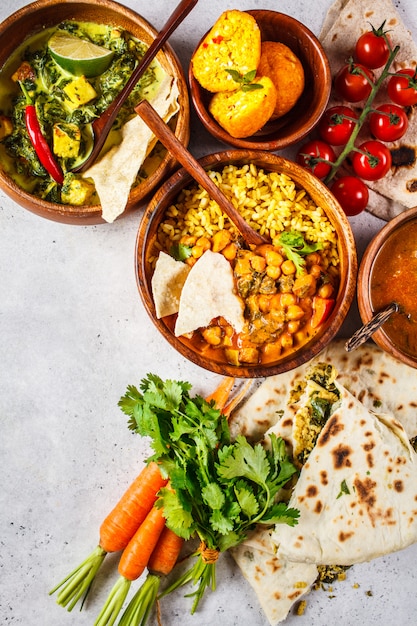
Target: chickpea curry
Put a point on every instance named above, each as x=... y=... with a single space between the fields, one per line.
x=288 y=292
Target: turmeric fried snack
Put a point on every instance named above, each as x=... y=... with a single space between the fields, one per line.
x=233 y=43
x=285 y=70
x=243 y=113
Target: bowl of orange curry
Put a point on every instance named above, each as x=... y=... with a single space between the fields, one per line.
x=388 y=273
x=236 y=309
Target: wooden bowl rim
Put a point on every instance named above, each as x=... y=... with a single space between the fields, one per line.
x=256 y=142
x=364 y=276
x=92 y=214
x=347 y=252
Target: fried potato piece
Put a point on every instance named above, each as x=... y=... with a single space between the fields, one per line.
x=285 y=70
x=233 y=43
x=243 y=113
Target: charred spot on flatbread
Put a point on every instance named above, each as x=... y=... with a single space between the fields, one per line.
x=403 y=156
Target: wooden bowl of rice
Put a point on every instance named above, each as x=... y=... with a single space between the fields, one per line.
x=295 y=125
x=294 y=200
x=38 y=17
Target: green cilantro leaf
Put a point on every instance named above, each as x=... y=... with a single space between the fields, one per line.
x=180 y=252
x=295 y=248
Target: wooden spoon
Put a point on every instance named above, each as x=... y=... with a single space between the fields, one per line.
x=193 y=167
x=102 y=125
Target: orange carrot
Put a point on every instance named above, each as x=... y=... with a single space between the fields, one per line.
x=222 y=393
x=161 y=563
x=166 y=553
x=115 y=533
x=228 y=408
x=132 y=564
x=132 y=508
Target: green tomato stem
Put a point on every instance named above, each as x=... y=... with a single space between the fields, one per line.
x=350 y=145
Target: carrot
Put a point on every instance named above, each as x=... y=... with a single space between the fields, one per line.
x=228 y=408
x=222 y=393
x=132 y=508
x=132 y=564
x=161 y=563
x=115 y=532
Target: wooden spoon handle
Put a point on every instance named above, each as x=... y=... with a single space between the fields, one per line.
x=366 y=331
x=102 y=125
x=162 y=131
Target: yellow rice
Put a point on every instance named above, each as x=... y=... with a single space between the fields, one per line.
x=269 y=201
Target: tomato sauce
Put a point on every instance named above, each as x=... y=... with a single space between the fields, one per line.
x=394 y=279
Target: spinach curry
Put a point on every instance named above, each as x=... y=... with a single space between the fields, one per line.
x=65 y=122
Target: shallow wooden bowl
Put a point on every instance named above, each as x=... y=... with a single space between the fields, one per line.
x=297 y=123
x=47 y=13
x=364 y=291
x=167 y=194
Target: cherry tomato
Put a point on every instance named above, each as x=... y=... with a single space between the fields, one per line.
x=372 y=48
x=373 y=161
x=403 y=89
x=317 y=157
x=388 y=122
x=351 y=193
x=353 y=82
x=337 y=124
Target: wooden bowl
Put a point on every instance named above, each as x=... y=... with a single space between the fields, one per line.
x=297 y=123
x=369 y=302
x=43 y=14
x=320 y=194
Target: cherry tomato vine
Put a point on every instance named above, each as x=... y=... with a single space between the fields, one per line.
x=341 y=125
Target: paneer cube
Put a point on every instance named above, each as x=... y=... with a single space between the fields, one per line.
x=78 y=192
x=66 y=140
x=79 y=92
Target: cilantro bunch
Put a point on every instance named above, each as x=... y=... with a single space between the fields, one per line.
x=219 y=489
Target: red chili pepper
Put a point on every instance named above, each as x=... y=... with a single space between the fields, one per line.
x=39 y=142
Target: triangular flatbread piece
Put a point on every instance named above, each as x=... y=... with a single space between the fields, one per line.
x=356 y=493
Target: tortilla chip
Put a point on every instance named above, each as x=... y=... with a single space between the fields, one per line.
x=167 y=282
x=116 y=171
x=345 y=22
x=278 y=583
x=356 y=493
x=209 y=292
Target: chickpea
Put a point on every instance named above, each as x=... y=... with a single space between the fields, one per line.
x=264 y=303
x=273 y=271
x=287 y=341
x=276 y=301
x=242 y=266
x=295 y=312
x=273 y=257
x=313 y=258
x=203 y=243
x=188 y=240
x=293 y=326
x=288 y=299
x=230 y=251
x=220 y=240
x=325 y=291
x=315 y=271
x=197 y=251
x=258 y=263
x=288 y=267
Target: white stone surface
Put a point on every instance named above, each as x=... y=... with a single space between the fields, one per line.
x=73 y=335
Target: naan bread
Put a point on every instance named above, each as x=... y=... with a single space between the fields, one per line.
x=278 y=583
x=356 y=493
x=378 y=380
x=345 y=22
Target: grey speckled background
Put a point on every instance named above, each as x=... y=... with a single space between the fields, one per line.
x=73 y=335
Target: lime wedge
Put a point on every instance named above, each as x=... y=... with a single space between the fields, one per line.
x=78 y=56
